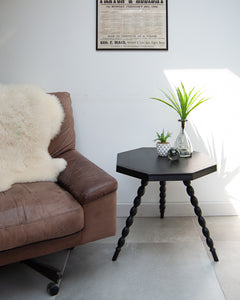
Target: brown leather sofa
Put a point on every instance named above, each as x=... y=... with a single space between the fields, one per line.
x=45 y=217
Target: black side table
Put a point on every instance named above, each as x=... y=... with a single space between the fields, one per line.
x=145 y=164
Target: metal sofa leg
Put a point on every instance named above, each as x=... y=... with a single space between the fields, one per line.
x=50 y=272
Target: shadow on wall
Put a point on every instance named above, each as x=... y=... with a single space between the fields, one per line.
x=213 y=127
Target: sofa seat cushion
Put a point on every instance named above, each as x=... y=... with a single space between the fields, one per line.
x=33 y=212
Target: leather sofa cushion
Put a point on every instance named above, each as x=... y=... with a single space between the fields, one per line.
x=39 y=211
x=65 y=140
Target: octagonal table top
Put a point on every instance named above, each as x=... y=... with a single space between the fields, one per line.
x=144 y=163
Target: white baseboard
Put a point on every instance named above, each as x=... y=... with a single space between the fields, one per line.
x=178 y=209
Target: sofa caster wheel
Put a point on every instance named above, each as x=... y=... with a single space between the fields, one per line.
x=52 y=289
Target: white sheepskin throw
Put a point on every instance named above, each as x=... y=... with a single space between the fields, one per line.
x=29 y=119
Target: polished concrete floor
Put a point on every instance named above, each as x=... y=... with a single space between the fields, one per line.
x=163 y=259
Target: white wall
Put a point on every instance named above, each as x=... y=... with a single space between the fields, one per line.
x=52 y=44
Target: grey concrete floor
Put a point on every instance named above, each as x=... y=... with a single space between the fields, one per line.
x=162 y=259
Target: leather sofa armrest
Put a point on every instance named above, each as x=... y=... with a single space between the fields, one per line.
x=83 y=179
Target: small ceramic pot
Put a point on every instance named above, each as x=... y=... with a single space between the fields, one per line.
x=163 y=148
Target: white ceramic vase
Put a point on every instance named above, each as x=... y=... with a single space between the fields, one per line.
x=163 y=148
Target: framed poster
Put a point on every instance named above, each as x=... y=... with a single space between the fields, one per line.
x=132 y=25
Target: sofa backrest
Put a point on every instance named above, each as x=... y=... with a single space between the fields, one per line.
x=65 y=140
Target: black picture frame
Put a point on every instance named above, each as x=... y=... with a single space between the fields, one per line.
x=145 y=29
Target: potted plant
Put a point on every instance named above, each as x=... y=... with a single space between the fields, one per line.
x=183 y=103
x=162 y=145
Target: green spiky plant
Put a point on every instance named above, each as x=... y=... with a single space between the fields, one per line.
x=185 y=101
x=162 y=138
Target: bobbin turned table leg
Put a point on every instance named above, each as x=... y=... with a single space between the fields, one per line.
x=130 y=219
x=162 y=201
x=201 y=219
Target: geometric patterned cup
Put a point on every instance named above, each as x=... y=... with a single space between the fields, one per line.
x=163 y=148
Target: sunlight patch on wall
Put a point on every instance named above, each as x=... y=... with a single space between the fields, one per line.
x=214 y=126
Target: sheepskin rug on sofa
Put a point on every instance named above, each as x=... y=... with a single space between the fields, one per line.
x=29 y=119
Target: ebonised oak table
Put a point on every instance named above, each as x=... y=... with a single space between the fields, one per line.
x=145 y=164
